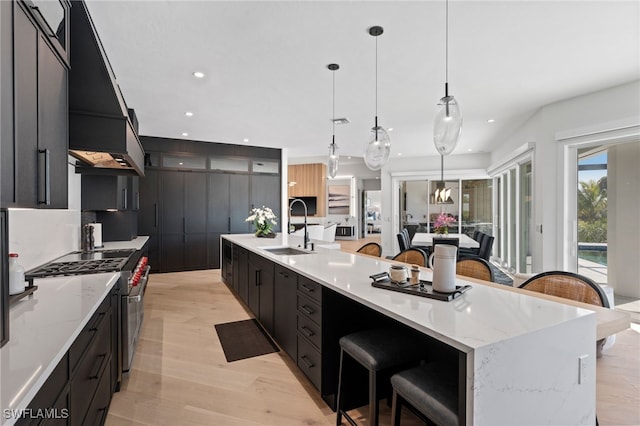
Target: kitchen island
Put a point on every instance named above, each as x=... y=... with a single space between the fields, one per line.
x=518 y=356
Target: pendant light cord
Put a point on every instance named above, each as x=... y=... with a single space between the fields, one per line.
x=376 y=81
x=446 y=43
x=333 y=120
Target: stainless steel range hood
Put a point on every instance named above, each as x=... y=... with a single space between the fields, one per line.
x=102 y=134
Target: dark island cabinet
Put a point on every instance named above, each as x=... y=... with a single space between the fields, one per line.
x=38 y=158
x=261 y=284
x=284 y=311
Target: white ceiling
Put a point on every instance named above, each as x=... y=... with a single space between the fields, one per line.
x=267 y=81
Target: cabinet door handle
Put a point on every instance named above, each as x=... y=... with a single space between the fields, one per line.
x=44 y=177
x=98 y=322
x=155 y=215
x=307 y=361
x=229 y=224
x=124 y=198
x=307 y=310
x=95 y=371
x=184 y=224
x=307 y=331
x=283 y=274
x=137 y=206
x=307 y=288
x=257 y=277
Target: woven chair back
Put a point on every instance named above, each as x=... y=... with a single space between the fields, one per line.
x=371 y=249
x=475 y=268
x=412 y=256
x=569 y=286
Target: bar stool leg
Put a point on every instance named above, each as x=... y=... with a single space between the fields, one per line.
x=373 y=399
x=395 y=409
x=339 y=398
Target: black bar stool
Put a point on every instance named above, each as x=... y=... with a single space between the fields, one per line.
x=431 y=389
x=377 y=350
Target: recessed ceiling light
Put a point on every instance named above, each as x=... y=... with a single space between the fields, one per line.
x=181 y=163
x=390 y=129
x=185 y=134
x=491 y=120
x=198 y=74
x=469 y=149
x=245 y=139
x=188 y=114
x=377 y=177
x=399 y=154
x=349 y=157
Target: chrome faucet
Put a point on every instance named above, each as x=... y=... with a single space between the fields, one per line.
x=306 y=233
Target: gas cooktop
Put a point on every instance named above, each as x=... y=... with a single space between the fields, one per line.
x=78 y=263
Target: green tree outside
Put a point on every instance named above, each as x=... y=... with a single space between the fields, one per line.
x=592 y=211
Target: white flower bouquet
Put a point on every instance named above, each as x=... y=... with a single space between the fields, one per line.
x=264 y=220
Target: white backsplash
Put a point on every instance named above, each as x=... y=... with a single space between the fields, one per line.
x=39 y=235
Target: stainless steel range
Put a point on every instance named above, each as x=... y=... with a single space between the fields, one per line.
x=134 y=273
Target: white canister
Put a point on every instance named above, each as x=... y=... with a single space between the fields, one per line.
x=97 y=234
x=16 y=275
x=399 y=273
x=443 y=263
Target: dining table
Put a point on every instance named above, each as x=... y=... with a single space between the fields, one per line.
x=426 y=239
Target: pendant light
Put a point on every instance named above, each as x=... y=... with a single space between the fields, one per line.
x=377 y=150
x=448 y=122
x=442 y=194
x=333 y=148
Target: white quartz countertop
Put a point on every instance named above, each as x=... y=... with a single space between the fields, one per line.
x=42 y=328
x=137 y=243
x=480 y=317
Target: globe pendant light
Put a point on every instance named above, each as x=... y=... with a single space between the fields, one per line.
x=448 y=122
x=333 y=148
x=377 y=150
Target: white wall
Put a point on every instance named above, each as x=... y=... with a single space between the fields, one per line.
x=41 y=235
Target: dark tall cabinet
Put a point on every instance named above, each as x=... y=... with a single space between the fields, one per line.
x=183 y=213
x=188 y=199
x=38 y=161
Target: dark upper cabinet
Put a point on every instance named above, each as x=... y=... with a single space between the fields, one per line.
x=39 y=161
x=107 y=192
x=229 y=203
x=52 y=17
x=265 y=191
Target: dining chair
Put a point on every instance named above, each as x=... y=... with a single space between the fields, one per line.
x=475 y=267
x=469 y=251
x=572 y=286
x=449 y=241
x=412 y=256
x=486 y=245
x=403 y=244
x=372 y=249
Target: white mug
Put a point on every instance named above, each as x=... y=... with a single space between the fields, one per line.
x=443 y=263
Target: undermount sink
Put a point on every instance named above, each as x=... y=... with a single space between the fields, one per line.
x=285 y=250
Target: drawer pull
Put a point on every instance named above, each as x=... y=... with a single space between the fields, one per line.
x=307 y=310
x=307 y=361
x=309 y=289
x=98 y=322
x=307 y=331
x=96 y=368
x=103 y=414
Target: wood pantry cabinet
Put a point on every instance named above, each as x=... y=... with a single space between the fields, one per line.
x=80 y=387
x=310 y=181
x=37 y=161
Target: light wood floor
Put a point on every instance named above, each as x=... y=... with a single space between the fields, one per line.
x=180 y=375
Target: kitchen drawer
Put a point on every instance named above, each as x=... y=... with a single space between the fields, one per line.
x=97 y=413
x=86 y=377
x=310 y=308
x=309 y=330
x=310 y=288
x=96 y=322
x=309 y=362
